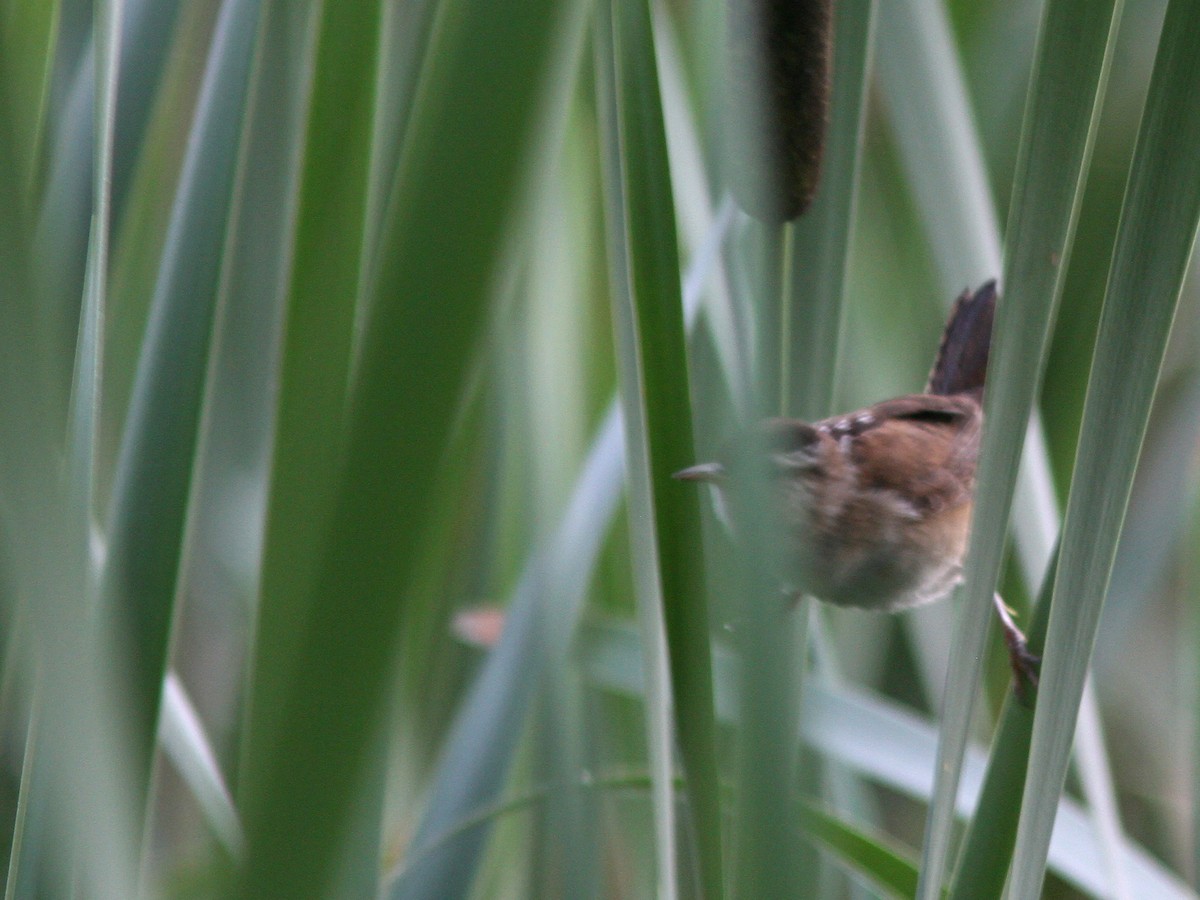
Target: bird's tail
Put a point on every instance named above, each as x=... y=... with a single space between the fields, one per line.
x=961 y=363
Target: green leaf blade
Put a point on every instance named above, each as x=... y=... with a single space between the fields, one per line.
x=1154 y=244
x=460 y=176
x=153 y=478
x=649 y=316
x=1061 y=117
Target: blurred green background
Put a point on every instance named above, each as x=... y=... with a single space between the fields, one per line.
x=328 y=569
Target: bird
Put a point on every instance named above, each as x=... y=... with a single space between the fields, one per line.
x=876 y=503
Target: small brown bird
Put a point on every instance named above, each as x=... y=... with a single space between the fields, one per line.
x=877 y=502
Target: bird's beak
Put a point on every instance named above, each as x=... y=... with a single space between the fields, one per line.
x=708 y=473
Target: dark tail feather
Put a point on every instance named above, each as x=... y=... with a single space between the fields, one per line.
x=961 y=364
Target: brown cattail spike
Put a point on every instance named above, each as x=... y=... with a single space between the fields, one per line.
x=780 y=54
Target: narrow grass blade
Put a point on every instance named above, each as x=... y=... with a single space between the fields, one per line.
x=885 y=866
x=1154 y=243
x=27 y=47
x=89 y=362
x=21 y=864
x=231 y=475
x=703 y=224
x=649 y=322
x=62 y=222
x=80 y=777
x=141 y=229
x=158 y=447
x=62 y=226
x=987 y=846
x=78 y=789
x=1099 y=789
x=323 y=287
x=461 y=174
x=659 y=708
x=768 y=858
x=1191 y=634
x=183 y=739
x=148 y=34
x=572 y=830
x=404 y=37
x=1062 y=114
x=224 y=538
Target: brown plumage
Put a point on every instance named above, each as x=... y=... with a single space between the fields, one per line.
x=877 y=502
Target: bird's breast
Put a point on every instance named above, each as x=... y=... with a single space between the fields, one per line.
x=880 y=551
